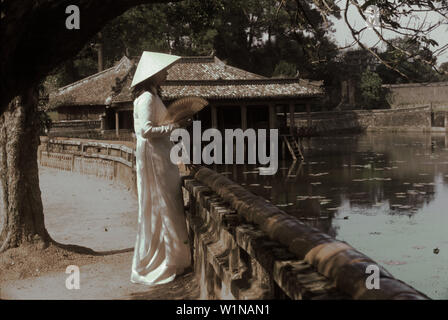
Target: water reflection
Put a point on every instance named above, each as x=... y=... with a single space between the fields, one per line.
x=355 y=187
x=367 y=171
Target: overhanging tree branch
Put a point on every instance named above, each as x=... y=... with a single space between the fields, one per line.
x=356 y=37
x=420 y=35
x=38 y=41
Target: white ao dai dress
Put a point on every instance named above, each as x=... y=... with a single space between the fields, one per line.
x=162 y=247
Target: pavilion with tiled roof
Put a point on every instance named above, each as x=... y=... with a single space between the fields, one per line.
x=237 y=98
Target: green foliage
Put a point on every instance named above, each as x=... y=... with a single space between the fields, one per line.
x=285 y=69
x=253 y=35
x=257 y=35
x=84 y=64
x=185 y=28
x=444 y=69
x=372 y=93
x=414 y=69
x=267 y=37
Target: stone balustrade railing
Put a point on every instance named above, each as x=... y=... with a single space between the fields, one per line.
x=104 y=160
x=243 y=246
x=87 y=124
x=246 y=247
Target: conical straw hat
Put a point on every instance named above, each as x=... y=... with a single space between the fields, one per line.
x=150 y=63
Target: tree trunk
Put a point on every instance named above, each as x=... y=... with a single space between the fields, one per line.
x=23 y=218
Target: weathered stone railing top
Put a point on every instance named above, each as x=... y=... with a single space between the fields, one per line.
x=334 y=259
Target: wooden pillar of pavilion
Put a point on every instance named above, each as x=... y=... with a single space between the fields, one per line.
x=308 y=113
x=103 y=121
x=214 y=112
x=272 y=121
x=272 y=117
x=244 y=127
x=244 y=117
x=117 y=124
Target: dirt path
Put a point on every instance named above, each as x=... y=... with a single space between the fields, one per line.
x=96 y=214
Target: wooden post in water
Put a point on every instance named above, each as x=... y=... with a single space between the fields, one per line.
x=292 y=124
x=283 y=149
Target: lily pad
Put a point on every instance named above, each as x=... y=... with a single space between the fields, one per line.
x=318 y=174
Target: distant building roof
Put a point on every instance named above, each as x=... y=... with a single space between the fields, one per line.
x=207 y=68
x=206 y=77
x=93 y=90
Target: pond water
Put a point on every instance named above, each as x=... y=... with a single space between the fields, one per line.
x=386 y=194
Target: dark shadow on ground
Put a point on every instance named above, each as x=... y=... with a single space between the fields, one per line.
x=84 y=250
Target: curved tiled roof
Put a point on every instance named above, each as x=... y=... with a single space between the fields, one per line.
x=206 y=77
x=232 y=89
x=235 y=89
x=93 y=90
x=207 y=68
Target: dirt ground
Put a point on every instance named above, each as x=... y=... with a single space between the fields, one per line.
x=93 y=214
